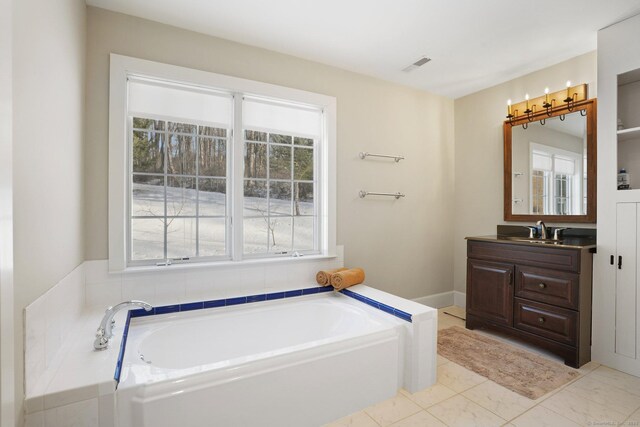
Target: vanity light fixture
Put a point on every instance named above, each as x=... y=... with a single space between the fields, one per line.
x=510 y=116
x=535 y=108
x=528 y=111
x=548 y=103
x=571 y=98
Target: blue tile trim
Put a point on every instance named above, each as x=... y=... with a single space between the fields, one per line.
x=192 y=306
x=141 y=312
x=275 y=295
x=123 y=346
x=266 y=297
x=214 y=303
x=167 y=309
x=296 y=293
x=380 y=306
x=256 y=298
x=235 y=301
x=244 y=300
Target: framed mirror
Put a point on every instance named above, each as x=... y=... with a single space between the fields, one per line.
x=550 y=165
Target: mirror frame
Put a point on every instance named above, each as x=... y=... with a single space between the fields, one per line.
x=590 y=106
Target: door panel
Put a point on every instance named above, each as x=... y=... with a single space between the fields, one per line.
x=626 y=264
x=490 y=291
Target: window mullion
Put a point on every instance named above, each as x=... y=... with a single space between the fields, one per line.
x=237 y=181
x=197 y=142
x=268 y=192
x=166 y=160
x=293 y=195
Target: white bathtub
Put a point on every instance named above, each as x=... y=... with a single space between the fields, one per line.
x=295 y=362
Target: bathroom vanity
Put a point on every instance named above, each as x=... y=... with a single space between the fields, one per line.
x=538 y=291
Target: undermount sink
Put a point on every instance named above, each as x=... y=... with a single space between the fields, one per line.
x=541 y=241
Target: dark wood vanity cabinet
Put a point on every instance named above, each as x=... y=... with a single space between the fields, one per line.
x=489 y=290
x=538 y=293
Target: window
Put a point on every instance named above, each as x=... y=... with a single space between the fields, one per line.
x=210 y=168
x=555 y=181
x=280 y=211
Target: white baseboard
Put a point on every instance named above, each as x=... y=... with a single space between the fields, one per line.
x=444 y=299
x=460 y=299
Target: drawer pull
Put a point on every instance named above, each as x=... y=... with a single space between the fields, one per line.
x=541 y=319
x=542 y=285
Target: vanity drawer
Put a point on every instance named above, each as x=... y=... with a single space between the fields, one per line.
x=551 y=287
x=558 y=324
x=566 y=259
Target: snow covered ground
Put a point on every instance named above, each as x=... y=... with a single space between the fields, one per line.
x=288 y=232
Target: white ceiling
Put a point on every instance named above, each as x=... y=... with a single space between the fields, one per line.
x=474 y=44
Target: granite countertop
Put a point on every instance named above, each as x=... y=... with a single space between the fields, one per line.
x=569 y=242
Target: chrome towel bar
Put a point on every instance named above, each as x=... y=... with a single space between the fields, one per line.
x=364 y=194
x=364 y=154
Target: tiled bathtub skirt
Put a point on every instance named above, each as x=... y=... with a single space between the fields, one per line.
x=244 y=300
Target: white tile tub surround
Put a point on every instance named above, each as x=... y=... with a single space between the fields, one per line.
x=181 y=284
x=80 y=390
x=61 y=366
x=49 y=320
x=66 y=376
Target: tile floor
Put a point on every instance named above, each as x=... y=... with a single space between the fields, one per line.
x=600 y=396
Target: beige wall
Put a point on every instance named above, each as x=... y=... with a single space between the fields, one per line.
x=48 y=113
x=478 y=149
x=7 y=382
x=404 y=245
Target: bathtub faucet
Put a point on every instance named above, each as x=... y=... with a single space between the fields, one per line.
x=105 y=330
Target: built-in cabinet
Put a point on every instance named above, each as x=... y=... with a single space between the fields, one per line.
x=616 y=289
x=625 y=264
x=538 y=293
x=628 y=127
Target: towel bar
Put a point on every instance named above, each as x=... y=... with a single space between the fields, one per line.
x=363 y=155
x=364 y=194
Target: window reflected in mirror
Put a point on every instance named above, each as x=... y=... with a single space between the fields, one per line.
x=549 y=166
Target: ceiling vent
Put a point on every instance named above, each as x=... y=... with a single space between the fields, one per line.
x=419 y=63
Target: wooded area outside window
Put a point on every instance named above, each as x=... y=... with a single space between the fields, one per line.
x=178 y=190
x=280 y=209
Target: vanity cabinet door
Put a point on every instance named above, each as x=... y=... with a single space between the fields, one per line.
x=490 y=291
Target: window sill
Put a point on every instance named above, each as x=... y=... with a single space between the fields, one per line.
x=224 y=264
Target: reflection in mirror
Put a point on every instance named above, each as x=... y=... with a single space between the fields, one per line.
x=549 y=166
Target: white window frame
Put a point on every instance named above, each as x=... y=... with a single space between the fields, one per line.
x=122 y=66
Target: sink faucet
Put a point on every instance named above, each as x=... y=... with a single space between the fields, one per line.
x=532 y=231
x=105 y=330
x=543 y=229
x=557 y=232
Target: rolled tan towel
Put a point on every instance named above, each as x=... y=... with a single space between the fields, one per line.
x=346 y=278
x=323 y=276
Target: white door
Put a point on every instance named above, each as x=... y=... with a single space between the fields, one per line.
x=626 y=269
